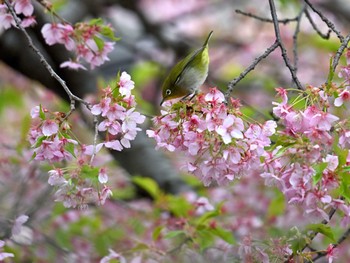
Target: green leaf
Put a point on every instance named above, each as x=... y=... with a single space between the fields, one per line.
x=70 y=148
x=178 y=205
x=99 y=42
x=147 y=184
x=330 y=74
x=41 y=113
x=174 y=233
x=319 y=168
x=298 y=243
x=96 y=21
x=277 y=205
x=108 y=32
x=205 y=238
x=39 y=141
x=208 y=215
x=323 y=229
x=156 y=232
x=140 y=247
x=223 y=234
x=89 y=172
x=345 y=186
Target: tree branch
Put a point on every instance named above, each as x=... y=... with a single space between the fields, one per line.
x=256 y=61
x=267 y=20
x=324 y=36
x=326 y=20
x=71 y=96
x=281 y=45
x=295 y=39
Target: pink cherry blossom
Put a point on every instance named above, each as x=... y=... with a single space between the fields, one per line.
x=24 y=6
x=113 y=255
x=28 y=21
x=332 y=162
x=344 y=96
x=6 y=21
x=125 y=84
x=102 y=176
x=17 y=226
x=4 y=255
x=49 y=127
x=56 y=177
x=102 y=107
x=214 y=95
x=34 y=112
x=232 y=127
x=72 y=64
x=115 y=145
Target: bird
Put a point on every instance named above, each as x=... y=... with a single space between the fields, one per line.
x=187 y=75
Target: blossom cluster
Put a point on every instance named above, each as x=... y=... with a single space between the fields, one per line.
x=51 y=138
x=88 y=40
x=308 y=162
x=219 y=144
x=21 y=7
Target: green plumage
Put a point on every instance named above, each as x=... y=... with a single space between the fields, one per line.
x=188 y=74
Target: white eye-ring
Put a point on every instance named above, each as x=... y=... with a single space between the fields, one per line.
x=168 y=92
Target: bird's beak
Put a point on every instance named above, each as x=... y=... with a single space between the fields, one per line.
x=162 y=102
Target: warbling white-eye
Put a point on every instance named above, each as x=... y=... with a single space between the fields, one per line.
x=188 y=74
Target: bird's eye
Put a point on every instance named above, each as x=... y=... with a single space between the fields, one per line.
x=168 y=92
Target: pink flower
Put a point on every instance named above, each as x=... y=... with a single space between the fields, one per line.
x=214 y=95
x=24 y=6
x=323 y=120
x=17 y=227
x=6 y=21
x=52 y=33
x=56 y=177
x=344 y=139
x=232 y=127
x=102 y=176
x=112 y=255
x=89 y=149
x=72 y=64
x=125 y=84
x=105 y=193
x=34 y=112
x=49 y=127
x=102 y=107
x=332 y=162
x=131 y=119
x=115 y=112
x=345 y=73
x=203 y=205
x=331 y=252
x=93 y=55
x=4 y=255
x=115 y=145
x=343 y=97
x=28 y=21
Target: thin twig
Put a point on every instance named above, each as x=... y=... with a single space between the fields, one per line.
x=281 y=45
x=295 y=39
x=232 y=83
x=324 y=36
x=71 y=96
x=326 y=20
x=314 y=234
x=340 y=52
x=268 y=20
x=95 y=139
x=340 y=240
